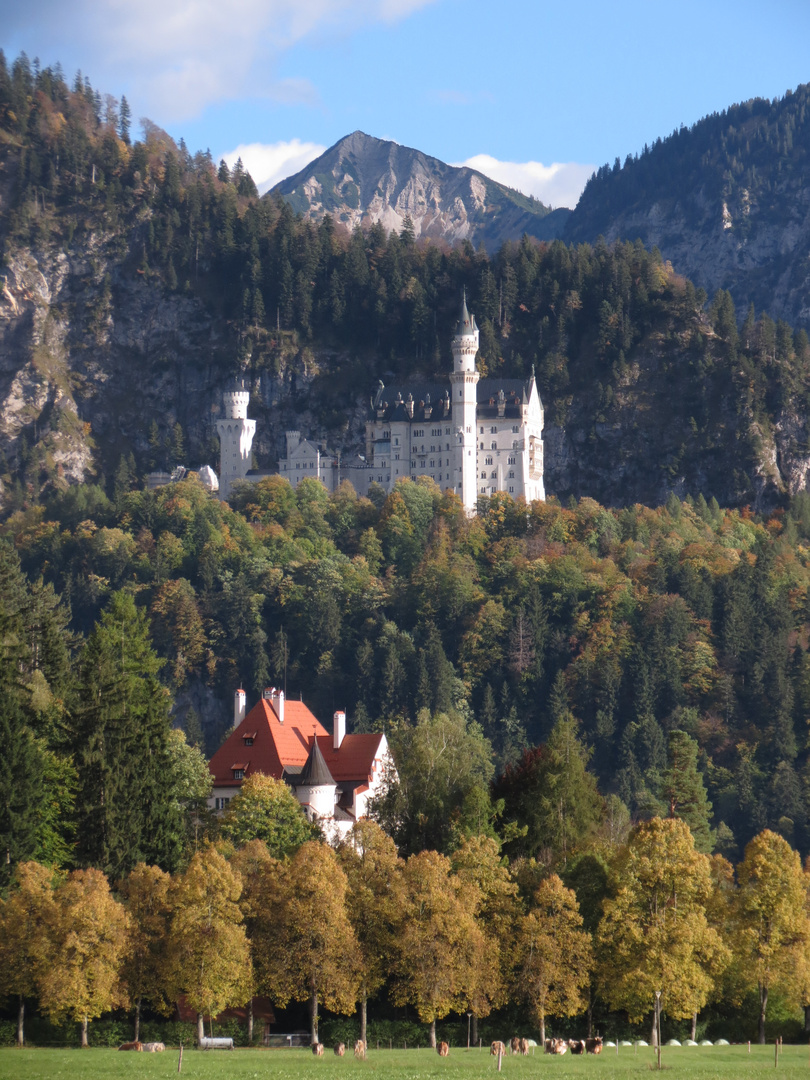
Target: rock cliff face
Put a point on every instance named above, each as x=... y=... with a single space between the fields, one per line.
x=362 y=180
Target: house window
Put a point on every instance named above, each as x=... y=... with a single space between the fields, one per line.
x=221 y=804
x=248 y=740
x=238 y=774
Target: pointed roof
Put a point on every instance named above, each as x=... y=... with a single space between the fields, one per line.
x=466 y=322
x=315 y=772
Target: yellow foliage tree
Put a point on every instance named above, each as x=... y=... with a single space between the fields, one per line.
x=655 y=934
x=439 y=943
x=208 y=957
x=86 y=940
x=374 y=873
x=311 y=950
x=145 y=894
x=24 y=920
x=553 y=971
x=773 y=932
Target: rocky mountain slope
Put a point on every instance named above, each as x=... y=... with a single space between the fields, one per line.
x=727 y=201
x=362 y=180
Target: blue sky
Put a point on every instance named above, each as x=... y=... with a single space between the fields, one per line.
x=535 y=93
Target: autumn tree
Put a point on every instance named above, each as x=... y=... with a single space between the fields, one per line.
x=655 y=934
x=25 y=919
x=266 y=809
x=478 y=863
x=311 y=947
x=554 y=954
x=208 y=956
x=439 y=941
x=773 y=929
x=374 y=871
x=145 y=895
x=86 y=941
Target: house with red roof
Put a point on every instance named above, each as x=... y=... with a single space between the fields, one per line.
x=334 y=776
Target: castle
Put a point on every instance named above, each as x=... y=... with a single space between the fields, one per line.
x=474 y=436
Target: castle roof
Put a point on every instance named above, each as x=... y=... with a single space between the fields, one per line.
x=466 y=322
x=315 y=772
x=284 y=750
x=429 y=400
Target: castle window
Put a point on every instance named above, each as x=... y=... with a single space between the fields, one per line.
x=493 y=490
x=482 y=431
x=515 y=429
x=469 y=430
x=447 y=431
x=511 y=489
x=493 y=431
x=482 y=446
x=511 y=474
x=396 y=457
x=514 y=444
x=510 y=461
x=488 y=461
x=396 y=442
x=494 y=475
x=493 y=445
x=483 y=476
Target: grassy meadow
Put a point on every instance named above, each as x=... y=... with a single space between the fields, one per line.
x=700 y=1063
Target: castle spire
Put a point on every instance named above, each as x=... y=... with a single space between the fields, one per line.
x=466 y=322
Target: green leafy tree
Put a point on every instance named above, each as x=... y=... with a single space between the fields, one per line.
x=266 y=809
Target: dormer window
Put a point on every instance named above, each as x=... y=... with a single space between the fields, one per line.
x=248 y=740
x=238 y=774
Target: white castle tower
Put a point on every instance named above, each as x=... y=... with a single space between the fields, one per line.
x=463 y=397
x=235 y=438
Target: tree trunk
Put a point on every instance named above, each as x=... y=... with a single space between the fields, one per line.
x=654 y=1030
x=475 y=1029
x=433 y=1033
x=363 y=1016
x=313 y=1017
x=20 y=1021
x=694 y=1025
x=250 y=1021
x=200 y=1028
x=542 y=1031
x=763 y=1005
x=590 y=1014
x=138 y=1019
x=84 y=1043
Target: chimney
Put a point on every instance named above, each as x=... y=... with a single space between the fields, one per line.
x=339 y=729
x=239 y=705
x=280 y=706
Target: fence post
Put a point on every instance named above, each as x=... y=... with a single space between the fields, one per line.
x=180 y=1059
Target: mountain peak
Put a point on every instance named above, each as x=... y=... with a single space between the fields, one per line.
x=362 y=180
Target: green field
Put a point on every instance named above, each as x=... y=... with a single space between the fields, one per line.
x=702 y=1063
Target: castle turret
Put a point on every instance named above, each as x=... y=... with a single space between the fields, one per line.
x=463 y=381
x=235 y=438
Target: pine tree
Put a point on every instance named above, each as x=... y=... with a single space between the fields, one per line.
x=682 y=788
x=126 y=809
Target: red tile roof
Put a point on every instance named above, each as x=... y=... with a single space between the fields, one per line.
x=277 y=745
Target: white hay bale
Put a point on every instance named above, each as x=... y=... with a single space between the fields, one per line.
x=641 y=1042
x=625 y=1042
x=706 y=1042
x=672 y=1042
x=612 y=1045
x=689 y=1042
x=721 y=1042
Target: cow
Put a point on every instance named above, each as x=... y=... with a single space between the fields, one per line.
x=514 y=1045
x=576 y=1046
x=524 y=1047
x=131 y=1046
x=317 y=1049
x=555 y=1046
x=443 y=1049
x=497 y=1048
x=340 y=1049
x=593 y=1046
x=359 y=1049
x=154 y=1047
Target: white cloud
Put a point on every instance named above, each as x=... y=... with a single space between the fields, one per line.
x=268 y=163
x=559 y=184
x=177 y=56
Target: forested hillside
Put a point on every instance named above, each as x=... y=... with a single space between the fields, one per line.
x=140 y=277
x=725 y=200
